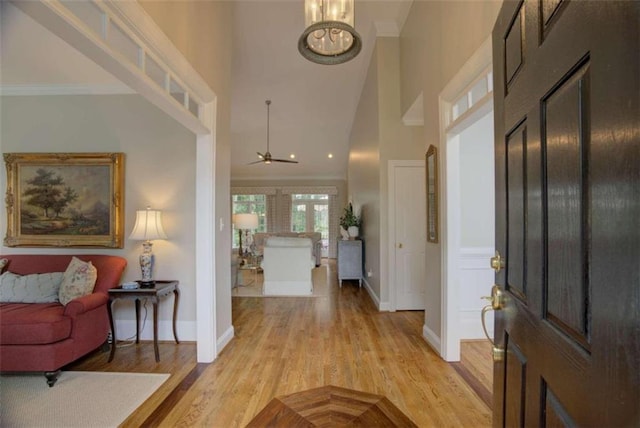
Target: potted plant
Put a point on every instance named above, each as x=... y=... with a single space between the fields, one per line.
x=350 y=222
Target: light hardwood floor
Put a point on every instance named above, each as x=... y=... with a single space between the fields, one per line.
x=286 y=345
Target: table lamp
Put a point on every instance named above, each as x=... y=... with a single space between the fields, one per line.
x=244 y=222
x=147 y=228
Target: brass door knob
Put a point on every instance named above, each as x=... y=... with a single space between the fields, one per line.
x=497 y=303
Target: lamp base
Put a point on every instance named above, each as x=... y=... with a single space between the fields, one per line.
x=146 y=284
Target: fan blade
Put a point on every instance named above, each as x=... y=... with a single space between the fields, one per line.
x=284 y=160
x=258 y=161
x=260 y=155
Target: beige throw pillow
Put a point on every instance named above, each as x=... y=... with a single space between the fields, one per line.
x=78 y=280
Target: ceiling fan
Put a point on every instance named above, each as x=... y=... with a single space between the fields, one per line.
x=266 y=158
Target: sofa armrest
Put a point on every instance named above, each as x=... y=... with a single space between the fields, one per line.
x=85 y=303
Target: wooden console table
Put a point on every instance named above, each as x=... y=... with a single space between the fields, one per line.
x=161 y=289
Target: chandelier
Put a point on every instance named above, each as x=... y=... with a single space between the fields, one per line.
x=329 y=37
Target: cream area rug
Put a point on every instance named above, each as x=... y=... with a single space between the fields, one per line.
x=78 y=399
x=249 y=283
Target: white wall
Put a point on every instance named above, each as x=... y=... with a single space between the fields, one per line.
x=159 y=171
x=201 y=30
x=437 y=39
x=477 y=214
x=378 y=136
x=477 y=224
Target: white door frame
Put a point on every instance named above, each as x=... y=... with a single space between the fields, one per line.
x=391 y=272
x=151 y=42
x=471 y=71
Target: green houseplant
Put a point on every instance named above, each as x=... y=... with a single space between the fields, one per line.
x=350 y=222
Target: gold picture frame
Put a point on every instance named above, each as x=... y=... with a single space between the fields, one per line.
x=431 y=174
x=65 y=200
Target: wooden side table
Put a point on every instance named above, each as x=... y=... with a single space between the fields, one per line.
x=161 y=289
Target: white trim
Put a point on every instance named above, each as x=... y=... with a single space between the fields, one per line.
x=386 y=29
x=145 y=28
x=414 y=116
x=60 y=89
x=61 y=21
x=253 y=190
x=432 y=339
x=382 y=306
x=225 y=338
x=206 y=285
x=475 y=257
x=476 y=260
x=134 y=21
x=126 y=328
x=450 y=208
x=324 y=190
x=450 y=317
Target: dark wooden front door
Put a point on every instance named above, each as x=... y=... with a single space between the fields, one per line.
x=567 y=112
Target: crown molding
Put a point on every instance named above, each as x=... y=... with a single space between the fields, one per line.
x=387 y=29
x=65 y=89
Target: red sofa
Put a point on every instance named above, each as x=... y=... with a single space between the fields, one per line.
x=47 y=336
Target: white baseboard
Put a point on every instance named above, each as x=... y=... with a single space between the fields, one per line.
x=225 y=339
x=432 y=339
x=382 y=306
x=126 y=329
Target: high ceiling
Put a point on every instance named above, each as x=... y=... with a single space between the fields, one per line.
x=312 y=105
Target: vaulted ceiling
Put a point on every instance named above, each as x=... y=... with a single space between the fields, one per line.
x=312 y=107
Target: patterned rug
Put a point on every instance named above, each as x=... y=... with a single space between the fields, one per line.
x=331 y=407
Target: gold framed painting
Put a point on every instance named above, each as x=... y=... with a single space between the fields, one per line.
x=65 y=200
x=431 y=174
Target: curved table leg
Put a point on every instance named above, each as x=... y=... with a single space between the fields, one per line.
x=176 y=299
x=155 y=329
x=137 y=320
x=113 y=331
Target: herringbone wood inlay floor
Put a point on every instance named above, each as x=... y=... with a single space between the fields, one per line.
x=331 y=407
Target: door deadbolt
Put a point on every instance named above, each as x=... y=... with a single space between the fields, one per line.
x=498 y=262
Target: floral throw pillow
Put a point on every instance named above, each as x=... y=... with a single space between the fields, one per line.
x=78 y=280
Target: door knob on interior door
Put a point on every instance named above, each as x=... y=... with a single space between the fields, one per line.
x=497 y=303
x=400 y=245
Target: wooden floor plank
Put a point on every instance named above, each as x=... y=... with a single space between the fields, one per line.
x=287 y=345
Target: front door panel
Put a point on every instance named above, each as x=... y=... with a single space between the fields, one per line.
x=567 y=120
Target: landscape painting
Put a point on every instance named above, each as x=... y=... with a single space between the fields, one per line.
x=64 y=199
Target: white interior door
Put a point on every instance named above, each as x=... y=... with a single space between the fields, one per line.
x=410 y=236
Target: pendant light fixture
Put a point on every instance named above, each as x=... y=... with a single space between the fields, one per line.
x=329 y=37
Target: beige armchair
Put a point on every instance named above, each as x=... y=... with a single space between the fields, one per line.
x=260 y=238
x=287 y=265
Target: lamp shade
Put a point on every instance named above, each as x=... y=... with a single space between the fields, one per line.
x=148 y=226
x=245 y=221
